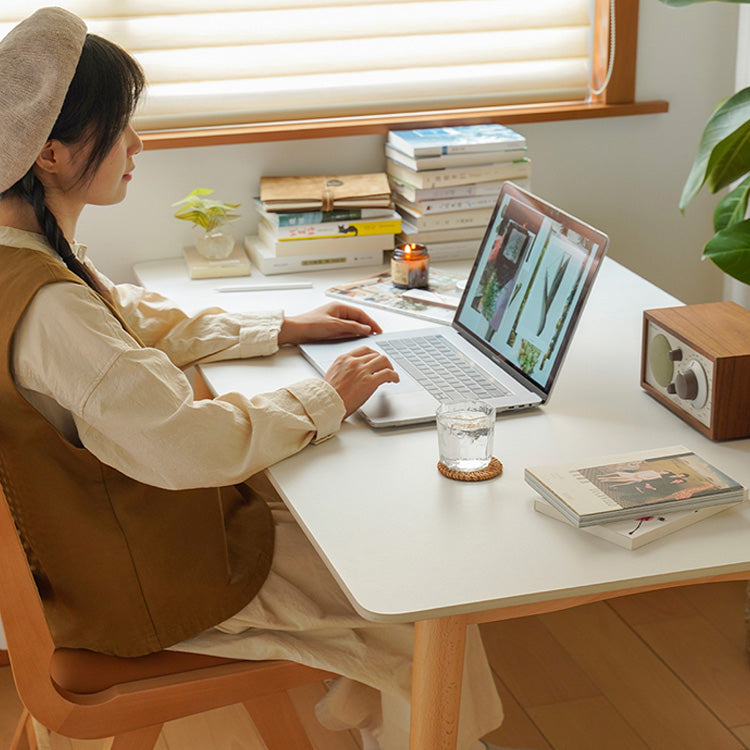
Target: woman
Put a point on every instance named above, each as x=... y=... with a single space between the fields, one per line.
x=130 y=496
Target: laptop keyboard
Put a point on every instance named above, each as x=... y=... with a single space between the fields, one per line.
x=441 y=369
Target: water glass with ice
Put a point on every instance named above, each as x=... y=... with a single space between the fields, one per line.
x=465 y=434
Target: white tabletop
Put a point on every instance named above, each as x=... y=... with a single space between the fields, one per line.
x=407 y=543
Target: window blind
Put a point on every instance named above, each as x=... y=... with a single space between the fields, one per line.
x=222 y=62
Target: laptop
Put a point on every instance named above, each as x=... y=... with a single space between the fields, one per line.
x=511 y=329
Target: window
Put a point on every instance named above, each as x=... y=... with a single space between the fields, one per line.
x=216 y=63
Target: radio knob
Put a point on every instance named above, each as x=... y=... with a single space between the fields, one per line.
x=671 y=388
x=675 y=355
x=686 y=385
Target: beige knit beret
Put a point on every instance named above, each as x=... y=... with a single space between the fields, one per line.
x=38 y=59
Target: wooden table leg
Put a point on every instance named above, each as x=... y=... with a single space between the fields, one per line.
x=436 y=683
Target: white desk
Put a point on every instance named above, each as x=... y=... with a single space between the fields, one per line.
x=405 y=543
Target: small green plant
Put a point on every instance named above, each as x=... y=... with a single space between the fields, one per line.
x=204 y=212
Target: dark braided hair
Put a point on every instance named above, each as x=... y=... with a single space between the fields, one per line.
x=98 y=106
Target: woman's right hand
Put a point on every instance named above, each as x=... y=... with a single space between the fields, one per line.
x=357 y=374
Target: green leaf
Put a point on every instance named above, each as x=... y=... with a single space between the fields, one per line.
x=731 y=115
x=730 y=250
x=730 y=159
x=732 y=207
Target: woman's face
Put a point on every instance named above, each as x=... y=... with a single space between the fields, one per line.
x=110 y=181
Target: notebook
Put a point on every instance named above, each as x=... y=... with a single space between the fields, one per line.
x=512 y=327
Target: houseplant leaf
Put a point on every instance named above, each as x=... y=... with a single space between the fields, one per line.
x=730 y=250
x=730 y=158
x=732 y=207
x=728 y=117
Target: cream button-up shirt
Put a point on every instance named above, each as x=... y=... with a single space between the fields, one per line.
x=133 y=407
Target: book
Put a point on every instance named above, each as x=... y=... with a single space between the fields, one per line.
x=268 y=263
x=473 y=217
x=633 y=485
x=325 y=192
x=447 y=205
x=316 y=245
x=636 y=532
x=411 y=193
x=465 y=159
x=454 y=140
x=410 y=233
x=389 y=224
x=236 y=264
x=301 y=218
x=459 y=175
x=378 y=291
x=457 y=250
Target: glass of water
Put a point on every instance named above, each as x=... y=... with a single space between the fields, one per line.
x=465 y=432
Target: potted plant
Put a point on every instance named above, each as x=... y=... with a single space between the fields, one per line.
x=724 y=158
x=210 y=216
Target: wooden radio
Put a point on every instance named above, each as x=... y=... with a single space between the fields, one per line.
x=696 y=361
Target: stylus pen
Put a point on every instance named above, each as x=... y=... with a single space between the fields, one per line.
x=265 y=287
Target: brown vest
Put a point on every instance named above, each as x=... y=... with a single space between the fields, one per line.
x=122 y=567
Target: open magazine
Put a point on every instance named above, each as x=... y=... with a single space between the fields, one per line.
x=633 y=485
x=378 y=291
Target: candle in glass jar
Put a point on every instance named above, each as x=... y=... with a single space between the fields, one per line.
x=410 y=266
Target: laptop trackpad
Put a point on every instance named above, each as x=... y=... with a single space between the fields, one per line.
x=388 y=404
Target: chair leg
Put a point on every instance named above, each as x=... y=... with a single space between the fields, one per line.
x=140 y=739
x=24 y=737
x=277 y=722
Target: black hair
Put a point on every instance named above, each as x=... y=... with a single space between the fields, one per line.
x=100 y=101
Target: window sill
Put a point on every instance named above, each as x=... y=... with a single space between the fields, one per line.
x=380 y=124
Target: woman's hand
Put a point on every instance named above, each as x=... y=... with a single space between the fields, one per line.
x=357 y=374
x=331 y=321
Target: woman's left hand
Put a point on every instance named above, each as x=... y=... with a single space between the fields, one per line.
x=332 y=321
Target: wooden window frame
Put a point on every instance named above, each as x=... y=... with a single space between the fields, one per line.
x=616 y=101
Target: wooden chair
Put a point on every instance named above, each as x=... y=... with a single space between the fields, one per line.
x=84 y=695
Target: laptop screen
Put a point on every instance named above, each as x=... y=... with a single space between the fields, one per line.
x=528 y=285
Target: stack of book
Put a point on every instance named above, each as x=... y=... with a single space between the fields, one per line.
x=445 y=182
x=309 y=222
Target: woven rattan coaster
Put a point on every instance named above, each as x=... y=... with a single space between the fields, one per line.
x=494 y=469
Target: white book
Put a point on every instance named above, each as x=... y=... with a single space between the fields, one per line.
x=411 y=193
x=457 y=250
x=473 y=217
x=410 y=233
x=451 y=176
x=422 y=163
x=456 y=139
x=317 y=245
x=633 y=485
x=447 y=205
x=268 y=263
x=636 y=532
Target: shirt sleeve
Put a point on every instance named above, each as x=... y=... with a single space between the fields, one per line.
x=209 y=336
x=134 y=409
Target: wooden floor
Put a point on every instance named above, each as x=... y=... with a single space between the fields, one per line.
x=664 y=670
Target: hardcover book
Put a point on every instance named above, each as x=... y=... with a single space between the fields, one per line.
x=437 y=178
x=411 y=193
x=636 y=532
x=389 y=224
x=464 y=159
x=473 y=217
x=335 y=245
x=633 y=485
x=237 y=264
x=269 y=263
x=462 y=139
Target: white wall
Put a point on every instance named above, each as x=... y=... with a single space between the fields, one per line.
x=623 y=175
